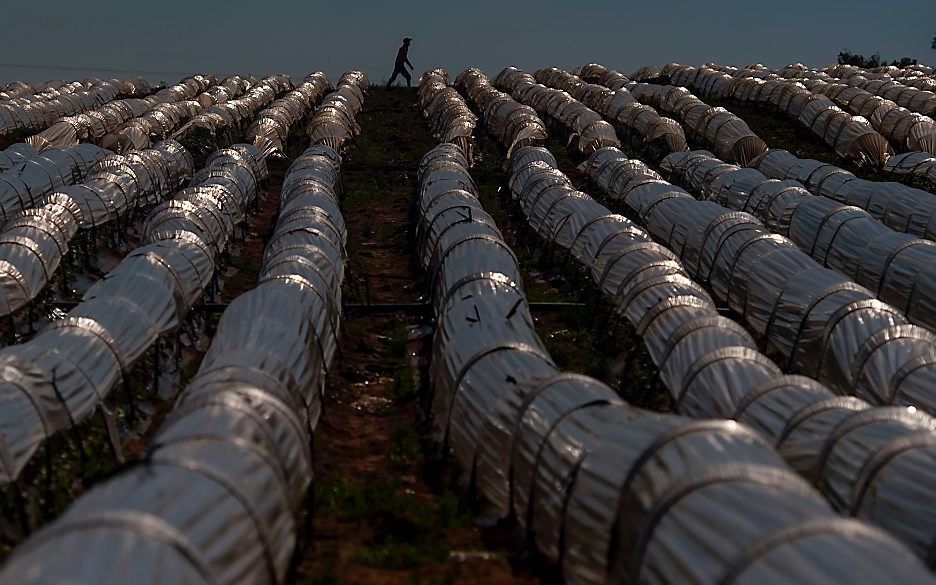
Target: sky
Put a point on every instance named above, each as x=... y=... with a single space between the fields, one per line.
x=165 y=39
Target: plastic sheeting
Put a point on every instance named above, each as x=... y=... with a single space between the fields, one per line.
x=229 y=116
x=217 y=497
x=907 y=75
x=45 y=90
x=731 y=137
x=94 y=125
x=450 y=119
x=920 y=100
x=906 y=130
x=21 y=114
x=818 y=321
x=646 y=285
x=16 y=153
x=84 y=355
x=914 y=92
x=898 y=206
x=31 y=176
x=587 y=131
x=114 y=186
x=645 y=73
x=163 y=118
x=595 y=73
x=852 y=137
x=898 y=268
x=917 y=164
x=711 y=365
x=269 y=132
x=614 y=493
x=639 y=125
x=33 y=245
x=513 y=124
x=334 y=121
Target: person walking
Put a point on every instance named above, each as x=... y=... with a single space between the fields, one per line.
x=399 y=66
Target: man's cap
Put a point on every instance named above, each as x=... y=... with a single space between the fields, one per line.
x=406 y=39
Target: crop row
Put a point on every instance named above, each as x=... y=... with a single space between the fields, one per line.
x=613 y=493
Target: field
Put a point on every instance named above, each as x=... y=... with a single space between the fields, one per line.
x=554 y=326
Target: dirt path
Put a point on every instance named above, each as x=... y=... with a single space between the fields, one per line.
x=387 y=509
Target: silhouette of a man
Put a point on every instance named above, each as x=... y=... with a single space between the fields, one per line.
x=399 y=68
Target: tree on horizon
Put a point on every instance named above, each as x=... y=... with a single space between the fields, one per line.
x=875 y=60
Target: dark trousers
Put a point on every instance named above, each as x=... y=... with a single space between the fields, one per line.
x=400 y=70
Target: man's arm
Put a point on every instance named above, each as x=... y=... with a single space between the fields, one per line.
x=406 y=58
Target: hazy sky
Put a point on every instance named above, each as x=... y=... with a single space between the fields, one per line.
x=169 y=37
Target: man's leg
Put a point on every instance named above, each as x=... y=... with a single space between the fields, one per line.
x=409 y=79
x=396 y=71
